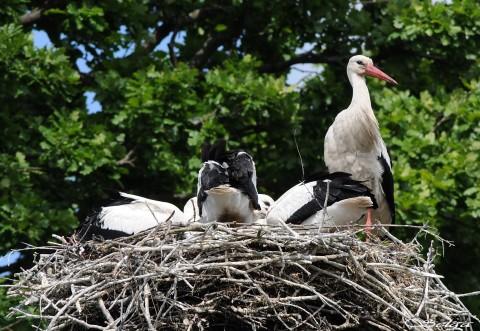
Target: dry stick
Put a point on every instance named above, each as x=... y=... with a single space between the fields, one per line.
x=427 y=279
x=325 y=204
x=73 y=299
x=204 y=258
x=105 y=312
x=145 y=307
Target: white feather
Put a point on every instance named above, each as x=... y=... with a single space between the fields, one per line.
x=228 y=204
x=139 y=215
x=344 y=212
x=353 y=144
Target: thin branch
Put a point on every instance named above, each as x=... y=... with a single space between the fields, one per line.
x=36 y=13
x=127 y=159
x=308 y=57
x=171 y=48
x=210 y=46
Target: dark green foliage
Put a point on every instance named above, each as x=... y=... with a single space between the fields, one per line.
x=224 y=76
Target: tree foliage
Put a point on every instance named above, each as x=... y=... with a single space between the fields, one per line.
x=172 y=74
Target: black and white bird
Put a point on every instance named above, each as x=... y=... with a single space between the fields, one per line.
x=353 y=143
x=227 y=186
x=348 y=201
x=129 y=215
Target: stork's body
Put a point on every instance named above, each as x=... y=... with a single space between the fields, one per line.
x=353 y=142
x=129 y=215
x=347 y=201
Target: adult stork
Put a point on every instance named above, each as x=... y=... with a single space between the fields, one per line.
x=347 y=201
x=227 y=185
x=128 y=215
x=353 y=142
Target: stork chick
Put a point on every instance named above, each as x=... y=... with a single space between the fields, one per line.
x=347 y=201
x=227 y=185
x=129 y=215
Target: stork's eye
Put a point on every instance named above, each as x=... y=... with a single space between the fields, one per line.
x=360 y=62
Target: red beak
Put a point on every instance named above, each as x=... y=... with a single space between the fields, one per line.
x=373 y=71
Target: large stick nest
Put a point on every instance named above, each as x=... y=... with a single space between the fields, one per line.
x=215 y=277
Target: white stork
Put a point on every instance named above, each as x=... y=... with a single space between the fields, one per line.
x=348 y=201
x=129 y=215
x=227 y=186
x=353 y=142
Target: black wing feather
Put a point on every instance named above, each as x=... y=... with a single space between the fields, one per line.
x=241 y=170
x=387 y=185
x=92 y=228
x=341 y=187
x=304 y=212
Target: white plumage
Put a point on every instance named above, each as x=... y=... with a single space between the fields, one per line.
x=227 y=204
x=347 y=202
x=131 y=215
x=353 y=142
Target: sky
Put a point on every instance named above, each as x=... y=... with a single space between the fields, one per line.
x=297 y=76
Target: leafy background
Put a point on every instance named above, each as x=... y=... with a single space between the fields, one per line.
x=168 y=75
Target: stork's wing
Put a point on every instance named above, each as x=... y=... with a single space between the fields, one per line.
x=251 y=190
x=243 y=175
x=201 y=197
x=387 y=180
x=340 y=187
x=304 y=212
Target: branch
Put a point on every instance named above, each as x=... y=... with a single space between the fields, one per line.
x=160 y=33
x=36 y=13
x=308 y=57
x=31 y=17
x=127 y=159
x=210 y=45
x=171 y=48
x=169 y=25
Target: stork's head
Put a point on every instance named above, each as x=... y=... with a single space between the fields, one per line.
x=363 y=66
x=212 y=174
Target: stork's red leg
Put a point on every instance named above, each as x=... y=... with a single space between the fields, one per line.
x=368 y=223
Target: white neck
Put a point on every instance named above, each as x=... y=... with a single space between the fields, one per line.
x=361 y=112
x=360 y=96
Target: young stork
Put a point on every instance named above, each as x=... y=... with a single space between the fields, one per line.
x=353 y=142
x=348 y=201
x=192 y=213
x=227 y=186
x=129 y=215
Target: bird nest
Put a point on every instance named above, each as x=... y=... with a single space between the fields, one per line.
x=216 y=277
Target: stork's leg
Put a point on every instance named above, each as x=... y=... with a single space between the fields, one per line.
x=368 y=222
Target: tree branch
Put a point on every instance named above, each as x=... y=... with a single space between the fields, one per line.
x=308 y=57
x=171 y=48
x=31 y=17
x=210 y=45
x=36 y=14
